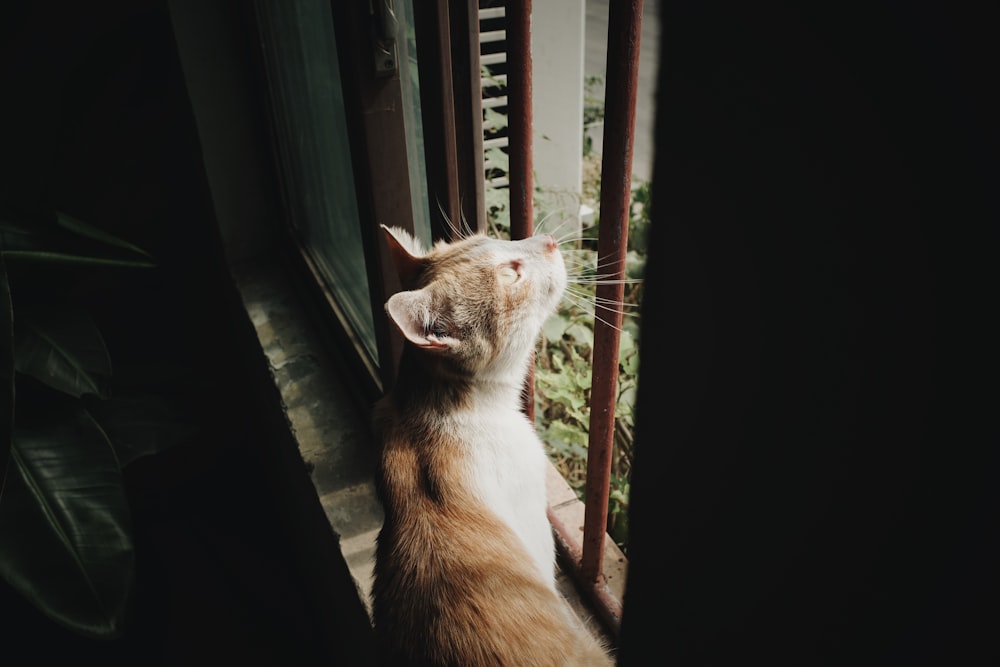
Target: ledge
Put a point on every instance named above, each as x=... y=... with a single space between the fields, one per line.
x=333 y=435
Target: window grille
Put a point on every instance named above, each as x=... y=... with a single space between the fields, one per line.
x=624 y=28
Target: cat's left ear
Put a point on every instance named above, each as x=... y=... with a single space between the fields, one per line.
x=407 y=255
x=413 y=313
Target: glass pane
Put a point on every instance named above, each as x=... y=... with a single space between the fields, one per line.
x=300 y=51
x=413 y=122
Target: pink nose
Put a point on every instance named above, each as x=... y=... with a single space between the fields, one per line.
x=550 y=242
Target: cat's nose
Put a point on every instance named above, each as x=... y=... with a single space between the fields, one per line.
x=550 y=242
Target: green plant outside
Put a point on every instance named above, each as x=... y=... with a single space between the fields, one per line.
x=563 y=361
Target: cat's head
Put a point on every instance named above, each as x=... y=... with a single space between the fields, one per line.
x=478 y=301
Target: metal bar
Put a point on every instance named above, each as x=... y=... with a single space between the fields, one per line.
x=522 y=216
x=624 y=29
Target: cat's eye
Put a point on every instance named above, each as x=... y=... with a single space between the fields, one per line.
x=508 y=274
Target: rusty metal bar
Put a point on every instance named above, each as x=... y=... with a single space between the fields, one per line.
x=622 y=77
x=519 y=119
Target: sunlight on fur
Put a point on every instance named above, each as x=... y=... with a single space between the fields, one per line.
x=465 y=560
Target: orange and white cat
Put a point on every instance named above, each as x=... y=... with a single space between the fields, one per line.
x=465 y=563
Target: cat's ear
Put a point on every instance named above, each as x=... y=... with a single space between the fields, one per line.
x=407 y=255
x=413 y=313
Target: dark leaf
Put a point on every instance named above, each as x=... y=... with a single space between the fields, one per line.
x=65 y=536
x=71 y=224
x=75 y=259
x=63 y=348
x=142 y=425
x=62 y=239
x=6 y=372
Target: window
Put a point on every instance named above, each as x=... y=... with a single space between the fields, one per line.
x=378 y=118
x=300 y=54
x=350 y=153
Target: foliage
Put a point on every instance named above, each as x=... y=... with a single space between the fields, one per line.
x=563 y=362
x=563 y=378
x=593 y=110
x=65 y=535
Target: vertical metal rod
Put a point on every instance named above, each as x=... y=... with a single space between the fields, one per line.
x=624 y=29
x=519 y=117
x=519 y=120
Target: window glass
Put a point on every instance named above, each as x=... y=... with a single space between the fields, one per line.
x=413 y=123
x=313 y=148
x=300 y=53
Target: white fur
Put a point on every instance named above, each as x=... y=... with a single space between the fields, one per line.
x=412 y=245
x=506 y=471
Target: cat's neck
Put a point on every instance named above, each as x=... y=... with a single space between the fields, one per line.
x=432 y=385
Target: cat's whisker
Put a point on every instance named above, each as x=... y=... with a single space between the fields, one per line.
x=540 y=225
x=584 y=274
x=574 y=238
x=614 y=304
x=588 y=298
x=589 y=306
x=592 y=310
x=588 y=262
x=466 y=227
x=601 y=319
x=601 y=280
x=444 y=216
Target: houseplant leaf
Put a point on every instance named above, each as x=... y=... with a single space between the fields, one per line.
x=63 y=348
x=58 y=238
x=6 y=372
x=65 y=540
x=81 y=228
x=142 y=424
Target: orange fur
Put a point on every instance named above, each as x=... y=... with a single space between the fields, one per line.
x=458 y=580
x=453 y=585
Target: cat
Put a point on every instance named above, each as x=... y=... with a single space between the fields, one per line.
x=465 y=562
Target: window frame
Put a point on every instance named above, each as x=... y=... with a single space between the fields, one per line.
x=450 y=97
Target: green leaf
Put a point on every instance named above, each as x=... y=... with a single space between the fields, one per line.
x=581 y=334
x=625 y=407
x=566 y=439
x=62 y=348
x=142 y=425
x=6 y=372
x=65 y=536
x=554 y=328
x=635 y=265
x=498 y=159
x=493 y=120
x=58 y=238
x=73 y=259
x=80 y=228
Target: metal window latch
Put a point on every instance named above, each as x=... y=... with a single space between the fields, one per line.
x=385 y=28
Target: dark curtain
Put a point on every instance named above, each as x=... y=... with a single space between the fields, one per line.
x=816 y=464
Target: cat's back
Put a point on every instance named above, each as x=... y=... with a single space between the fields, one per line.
x=464 y=568
x=455 y=583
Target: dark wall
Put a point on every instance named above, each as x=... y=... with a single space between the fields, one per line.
x=95 y=120
x=816 y=449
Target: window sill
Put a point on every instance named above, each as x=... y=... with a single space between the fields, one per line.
x=330 y=426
